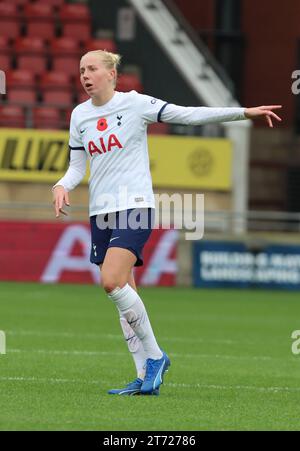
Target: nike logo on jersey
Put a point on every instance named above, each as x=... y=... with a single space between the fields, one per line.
x=82 y=131
x=95 y=249
x=115 y=238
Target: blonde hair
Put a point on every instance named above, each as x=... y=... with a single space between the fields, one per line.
x=109 y=59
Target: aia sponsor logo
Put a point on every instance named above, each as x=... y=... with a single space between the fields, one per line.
x=104 y=146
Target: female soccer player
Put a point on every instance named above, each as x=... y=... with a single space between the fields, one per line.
x=111 y=130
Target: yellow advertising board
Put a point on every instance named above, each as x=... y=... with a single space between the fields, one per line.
x=182 y=162
x=33 y=155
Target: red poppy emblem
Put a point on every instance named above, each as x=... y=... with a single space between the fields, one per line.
x=102 y=124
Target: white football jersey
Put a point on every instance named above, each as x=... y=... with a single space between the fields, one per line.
x=114 y=139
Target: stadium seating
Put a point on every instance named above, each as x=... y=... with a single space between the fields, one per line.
x=31 y=54
x=21 y=87
x=5 y=59
x=56 y=89
x=55 y=3
x=9 y=20
x=44 y=40
x=47 y=118
x=65 y=54
x=128 y=82
x=15 y=2
x=67 y=117
x=12 y=116
x=40 y=21
x=81 y=95
x=100 y=44
x=159 y=128
x=76 y=21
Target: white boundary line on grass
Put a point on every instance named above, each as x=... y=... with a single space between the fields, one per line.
x=64 y=352
x=119 y=337
x=174 y=355
x=110 y=336
x=183 y=386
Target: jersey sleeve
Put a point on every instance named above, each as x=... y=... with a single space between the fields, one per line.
x=175 y=114
x=75 y=172
x=78 y=159
x=75 y=141
x=149 y=108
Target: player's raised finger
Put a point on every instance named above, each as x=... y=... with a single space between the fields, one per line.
x=274 y=115
x=63 y=212
x=56 y=208
x=67 y=200
x=269 y=120
x=274 y=107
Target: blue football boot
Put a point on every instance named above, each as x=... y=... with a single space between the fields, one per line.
x=131 y=389
x=155 y=370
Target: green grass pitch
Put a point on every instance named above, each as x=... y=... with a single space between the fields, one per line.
x=232 y=367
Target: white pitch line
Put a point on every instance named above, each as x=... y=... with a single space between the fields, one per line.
x=226 y=357
x=172 y=385
x=47 y=380
x=118 y=337
x=173 y=355
x=64 y=352
x=35 y=333
x=236 y=387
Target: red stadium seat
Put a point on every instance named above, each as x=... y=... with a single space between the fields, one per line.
x=55 y=3
x=65 y=55
x=5 y=59
x=47 y=118
x=21 y=87
x=67 y=117
x=12 y=116
x=56 y=89
x=158 y=128
x=100 y=44
x=21 y=79
x=81 y=95
x=16 y=2
x=55 y=80
x=31 y=54
x=128 y=82
x=58 y=97
x=4 y=62
x=9 y=20
x=76 y=21
x=40 y=21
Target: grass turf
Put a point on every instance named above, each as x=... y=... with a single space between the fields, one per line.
x=231 y=362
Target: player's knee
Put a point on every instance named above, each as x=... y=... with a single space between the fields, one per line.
x=110 y=282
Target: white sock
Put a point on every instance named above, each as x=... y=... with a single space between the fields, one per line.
x=132 y=308
x=135 y=347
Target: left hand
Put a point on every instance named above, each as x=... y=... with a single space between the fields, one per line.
x=263 y=112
